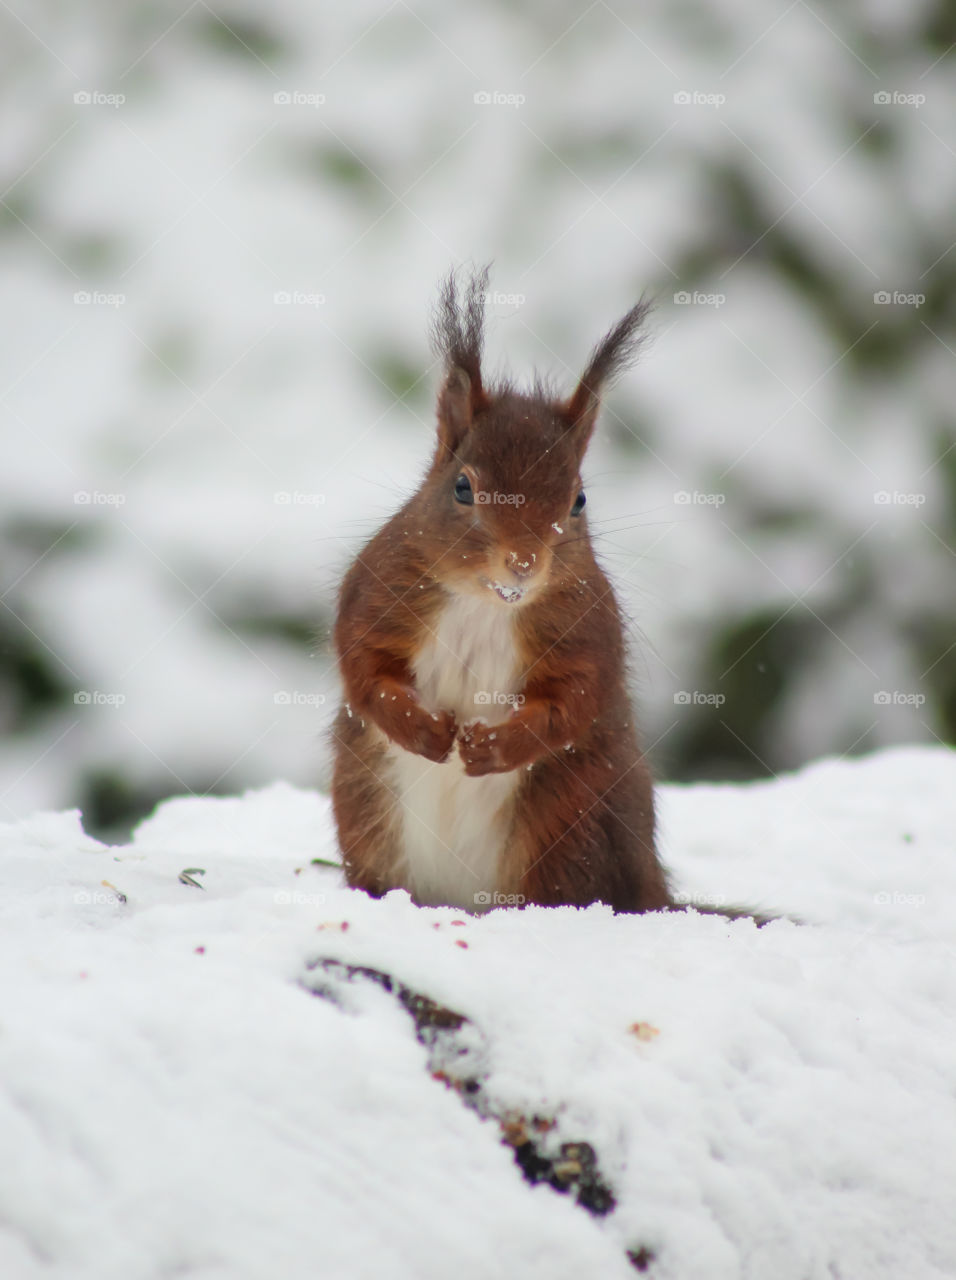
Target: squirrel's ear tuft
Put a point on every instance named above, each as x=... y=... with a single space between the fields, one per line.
x=457 y=337
x=613 y=354
x=457 y=331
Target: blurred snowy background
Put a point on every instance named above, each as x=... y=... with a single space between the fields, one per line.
x=221 y=231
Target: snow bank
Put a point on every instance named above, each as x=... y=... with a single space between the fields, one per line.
x=175 y=1100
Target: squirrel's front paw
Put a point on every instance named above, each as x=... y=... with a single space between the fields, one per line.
x=396 y=710
x=430 y=734
x=439 y=733
x=495 y=748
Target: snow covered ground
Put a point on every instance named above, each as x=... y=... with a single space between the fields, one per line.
x=176 y=1101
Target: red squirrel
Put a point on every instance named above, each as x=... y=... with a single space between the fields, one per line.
x=486 y=751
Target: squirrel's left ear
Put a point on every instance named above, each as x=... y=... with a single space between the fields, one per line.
x=458 y=401
x=612 y=355
x=457 y=337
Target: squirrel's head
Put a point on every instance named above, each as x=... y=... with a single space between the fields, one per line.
x=505 y=480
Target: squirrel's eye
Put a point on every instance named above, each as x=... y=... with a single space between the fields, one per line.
x=579 y=502
x=463 y=491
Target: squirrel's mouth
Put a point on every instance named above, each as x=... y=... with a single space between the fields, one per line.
x=509 y=593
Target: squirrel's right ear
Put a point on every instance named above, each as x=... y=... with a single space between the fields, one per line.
x=612 y=355
x=457 y=337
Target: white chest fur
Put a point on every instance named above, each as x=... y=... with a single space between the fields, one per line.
x=453 y=827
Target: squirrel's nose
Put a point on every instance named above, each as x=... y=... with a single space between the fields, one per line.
x=523 y=566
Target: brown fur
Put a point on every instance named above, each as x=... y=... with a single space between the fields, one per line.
x=582 y=827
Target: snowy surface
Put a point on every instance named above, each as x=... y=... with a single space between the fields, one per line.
x=174 y=1102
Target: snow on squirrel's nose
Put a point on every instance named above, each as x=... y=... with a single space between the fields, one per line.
x=522 y=565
